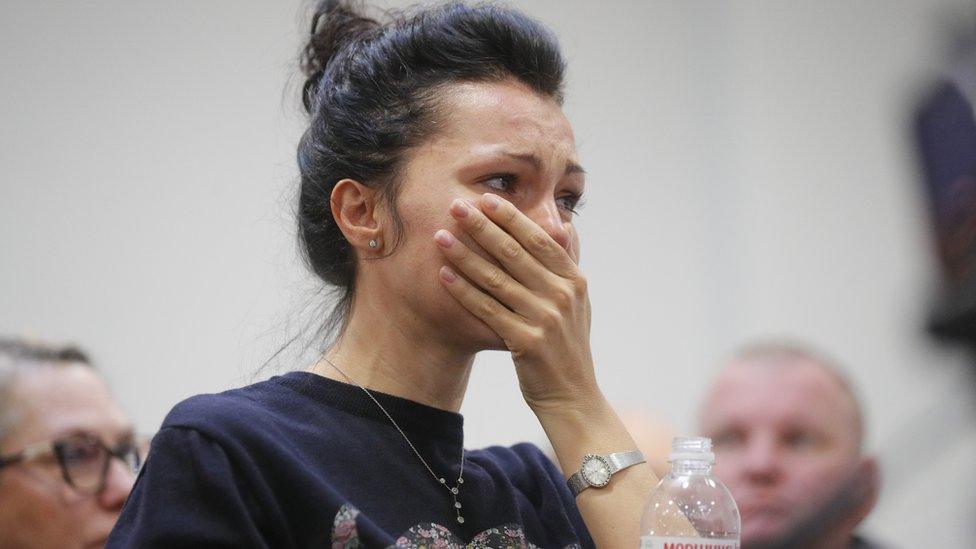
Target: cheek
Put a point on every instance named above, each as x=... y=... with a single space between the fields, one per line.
x=38 y=508
x=81 y=513
x=818 y=472
x=813 y=478
x=424 y=213
x=411 y=270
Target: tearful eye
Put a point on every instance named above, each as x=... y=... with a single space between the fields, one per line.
x=500 y=182
x=570 y=202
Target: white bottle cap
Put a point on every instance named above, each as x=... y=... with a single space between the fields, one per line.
x=691 y=448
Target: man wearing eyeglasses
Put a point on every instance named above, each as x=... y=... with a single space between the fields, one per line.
x=67 y=451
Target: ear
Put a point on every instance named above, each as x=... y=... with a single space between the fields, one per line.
x=354 y=208
x=869 y=472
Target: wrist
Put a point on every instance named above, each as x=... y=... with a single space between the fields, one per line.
x=576 y=427
x=597 y=470
x=578 y=407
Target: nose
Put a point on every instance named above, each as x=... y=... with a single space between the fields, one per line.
x=118 y=483
x=761 y=462
x=547 y=215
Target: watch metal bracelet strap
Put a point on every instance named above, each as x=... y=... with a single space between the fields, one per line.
x=596 y=471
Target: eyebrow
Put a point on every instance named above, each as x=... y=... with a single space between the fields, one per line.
x=536 y=162
x=126 y=434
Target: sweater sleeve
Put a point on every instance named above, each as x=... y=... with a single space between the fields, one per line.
x=187 y=495
x=555 y=475
x=547 y=485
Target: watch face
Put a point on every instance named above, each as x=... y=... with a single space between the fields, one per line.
x=595 y=471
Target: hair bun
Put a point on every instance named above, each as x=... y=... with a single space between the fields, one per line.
x=335 y=23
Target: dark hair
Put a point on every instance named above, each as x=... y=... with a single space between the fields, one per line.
x=21 y=350
x=372 y=92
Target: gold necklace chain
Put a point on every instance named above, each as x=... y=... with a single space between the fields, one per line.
x=456 y=490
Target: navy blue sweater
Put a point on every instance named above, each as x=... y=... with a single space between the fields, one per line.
x=304 y=461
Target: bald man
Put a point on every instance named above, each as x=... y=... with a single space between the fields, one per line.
x=788 y=432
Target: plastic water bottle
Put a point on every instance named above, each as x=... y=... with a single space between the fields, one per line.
x=690 y=508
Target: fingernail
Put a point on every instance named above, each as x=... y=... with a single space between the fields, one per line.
x=459 y=208
x=492 y=201
x=444 y=238
x=447 y=274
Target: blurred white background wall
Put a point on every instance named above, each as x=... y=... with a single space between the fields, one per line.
x=751 y=173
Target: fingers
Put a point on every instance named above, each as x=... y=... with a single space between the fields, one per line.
x=529 y=234
x=489 y=310
x=502 y=246
x=489 y=277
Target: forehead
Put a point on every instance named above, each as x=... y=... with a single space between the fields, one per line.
x=764 y=394
x=480 y=116
x=50 y=401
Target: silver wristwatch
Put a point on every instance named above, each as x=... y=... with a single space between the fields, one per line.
x=597 y=470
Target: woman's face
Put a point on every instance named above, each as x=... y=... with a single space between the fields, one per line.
x=500 y=138
x=37 y=507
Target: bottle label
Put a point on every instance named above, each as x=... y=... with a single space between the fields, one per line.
x=657 y=542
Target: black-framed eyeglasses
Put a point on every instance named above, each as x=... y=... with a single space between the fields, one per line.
x=84 y=458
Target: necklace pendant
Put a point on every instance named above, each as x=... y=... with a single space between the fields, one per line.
x=460 y=519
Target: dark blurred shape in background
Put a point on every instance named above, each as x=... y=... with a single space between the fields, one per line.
x=945 y=126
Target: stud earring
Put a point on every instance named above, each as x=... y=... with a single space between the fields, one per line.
x=373 y=243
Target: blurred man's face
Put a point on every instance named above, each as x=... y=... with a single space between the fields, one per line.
x=38 y=508
x=786 y=440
